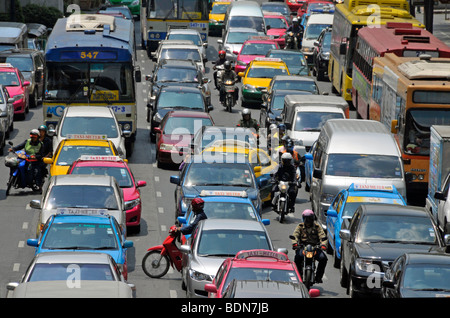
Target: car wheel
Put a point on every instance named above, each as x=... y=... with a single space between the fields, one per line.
x=351 y=290
x=336 y=260
x=343 y=277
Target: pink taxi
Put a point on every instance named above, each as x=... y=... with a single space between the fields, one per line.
x=278 y=26
x=255 y=46
x=17 y=86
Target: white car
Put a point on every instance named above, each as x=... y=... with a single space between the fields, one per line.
x=183 y=50
x=189 y=34
x=90 y=120
x=233 y=40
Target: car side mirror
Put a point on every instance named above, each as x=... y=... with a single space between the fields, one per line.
x=141 y=184
x=181 y=220
x=317 y=173
x=389 y=284
x=308 y=156
x=35 y=204
x=211 y=288
x=331 y=213
x=344 y=235
x=440 y=196
x=175 y=180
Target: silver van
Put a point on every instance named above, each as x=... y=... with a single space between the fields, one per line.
x=353 y=151
x=13 y=35
x=244 y=14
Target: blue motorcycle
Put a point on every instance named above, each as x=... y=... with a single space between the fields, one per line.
x=20 y=171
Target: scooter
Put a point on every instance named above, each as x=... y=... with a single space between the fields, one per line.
x=19 y=171
x=309 y=265
x=293 y=41
x=230 y=91
x=158 y=259
x=281 y=199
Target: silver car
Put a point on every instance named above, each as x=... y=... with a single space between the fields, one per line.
x=71 y=275
x=189 y=34
x=90 y=120
x=233 y=40
x=6 y=116
x=212 y=242
x=81 y=194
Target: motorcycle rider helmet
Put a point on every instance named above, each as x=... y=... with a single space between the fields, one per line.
x=34 y=132
x=295 y=20
x=246 y=112
x=227 y=65
x=222 y=54
x=197 y=204
x=282 y=127
x=286 y=158
x=308 y=217
x=43 y=127
x=272 y=127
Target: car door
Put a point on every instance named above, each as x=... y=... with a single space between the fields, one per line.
x=316 y=183
x=309 y=167
x=347 y=246
x=268 y=167
x=444 y=206
x=331 y=221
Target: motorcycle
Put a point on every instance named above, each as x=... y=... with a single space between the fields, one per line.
x=230 y=91
x=158 y=258
x=293 y=41
x=281 y=199
x=20 y=171
x=309 y=265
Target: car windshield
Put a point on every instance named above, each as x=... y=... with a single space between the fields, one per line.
x=276 y=23
x=179 y=36
x=308 y=86
x=185 y=125
x=260 y=274
x=239 y=37
x=257 y=48
x=228 y=210
x=353 y=202
x=397 y=229
x=219 y=8
x=180 y=98
x=86 y=236
x=64 y=272
x=364 y=166
x=9 y=79
x=313 y=121
x=265 y=72
x=278 y=100
x=121 y=174
x=180 y=54
x=256 y=23
x=313 y=31
x=214 y=135
x=291 y=60
x=177 y=74
x=69 y=154
x=432 y=277
x=82 y=197
x=228 y=242
x=327 y=41
x=23 y=63
x=90 y=126
x=227 y=174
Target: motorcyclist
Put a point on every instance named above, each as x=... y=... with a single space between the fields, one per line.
x=297 y=29
x=34 y=148
x=310 y=232
x=197 y=207
x=247 y=121
x=220 y=61
x=47 y=150
x=286 y=172
x=228 y=74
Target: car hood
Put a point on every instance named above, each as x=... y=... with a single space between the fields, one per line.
x=279 y=32
x=196 y=190
x=180 y=140
x=130 y=193
x=208 y=264
x=234 y=47
x=307 y=137
x=248 y=58
x=14 y=90
x=163 y=111
x=390 y=251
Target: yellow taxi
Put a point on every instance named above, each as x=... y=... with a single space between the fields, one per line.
x=262 y=163
x=217 y=16
x=256 y=77
x=74 y=147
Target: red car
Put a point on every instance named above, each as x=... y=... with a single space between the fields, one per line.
x=264 y=265
x=294 y=5
x=278 y=26
x=119 y=169
x=255 y=46
x=321 y=3
x=13 y=80
x=175 y=133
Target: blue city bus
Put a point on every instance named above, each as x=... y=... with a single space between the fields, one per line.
x=158 y=16
x=90 y=60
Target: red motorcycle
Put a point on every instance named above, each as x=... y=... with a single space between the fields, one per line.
x=158 y=258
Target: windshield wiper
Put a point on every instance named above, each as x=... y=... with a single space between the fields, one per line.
x=433 y=289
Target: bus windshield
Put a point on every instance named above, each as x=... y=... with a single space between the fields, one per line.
x=94 y=82
x=178 y=9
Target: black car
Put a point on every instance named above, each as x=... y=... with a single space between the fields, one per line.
x=178 y=72
x=376 y=236
x=274 y=104
x=174 y=98
x=418 y=275
x=32 y=65
x=321 y=54
x=268 y=289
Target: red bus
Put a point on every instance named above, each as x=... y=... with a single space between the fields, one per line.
x=402 y=39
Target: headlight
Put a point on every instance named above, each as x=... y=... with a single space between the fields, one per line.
x=135 y=3
x=306 y=49
x=326 y=198
x=249 y=87
x=199 y=275
x=366 y=265
x=19 y=98
x=213 y=21
x=132 y=203
x=283 y=187
x=126 y=127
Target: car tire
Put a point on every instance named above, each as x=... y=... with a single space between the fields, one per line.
x=344 y=276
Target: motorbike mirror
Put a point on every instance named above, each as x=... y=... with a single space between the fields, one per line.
x=292 y=237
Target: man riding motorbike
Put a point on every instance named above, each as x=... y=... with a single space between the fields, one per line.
x=297 y=29
x=286 y=172
x=34 y=148
x=220 y=61
x=247 y=121
x=197 y=207
x=310 y=232
x=228 y=74
x=47 y=148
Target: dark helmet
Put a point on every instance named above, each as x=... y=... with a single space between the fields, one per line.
x=43 y=127
x=282 y=127
x=222 y=53
x=285 y=140
x=227 y=65
x=197 y=204
x=308 y=217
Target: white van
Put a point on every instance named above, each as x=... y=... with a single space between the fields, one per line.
x=353 y=151
x=316 y=23
x=245 y=14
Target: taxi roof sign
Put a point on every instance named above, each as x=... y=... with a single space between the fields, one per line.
x=261 y=253
x=268 y=59
x=373 y=187
x=240 y=194
x=101 y=158
x=81 y=211
x=6 y=65
x=87 y=137
x=259 y=38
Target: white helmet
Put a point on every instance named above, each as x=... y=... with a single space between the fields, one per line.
x=286 y=156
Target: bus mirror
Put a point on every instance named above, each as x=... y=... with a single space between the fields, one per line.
x=394 y=126
x=343 y=46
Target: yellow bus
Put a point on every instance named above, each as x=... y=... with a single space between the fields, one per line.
x=408 y=95
x=349 y=17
